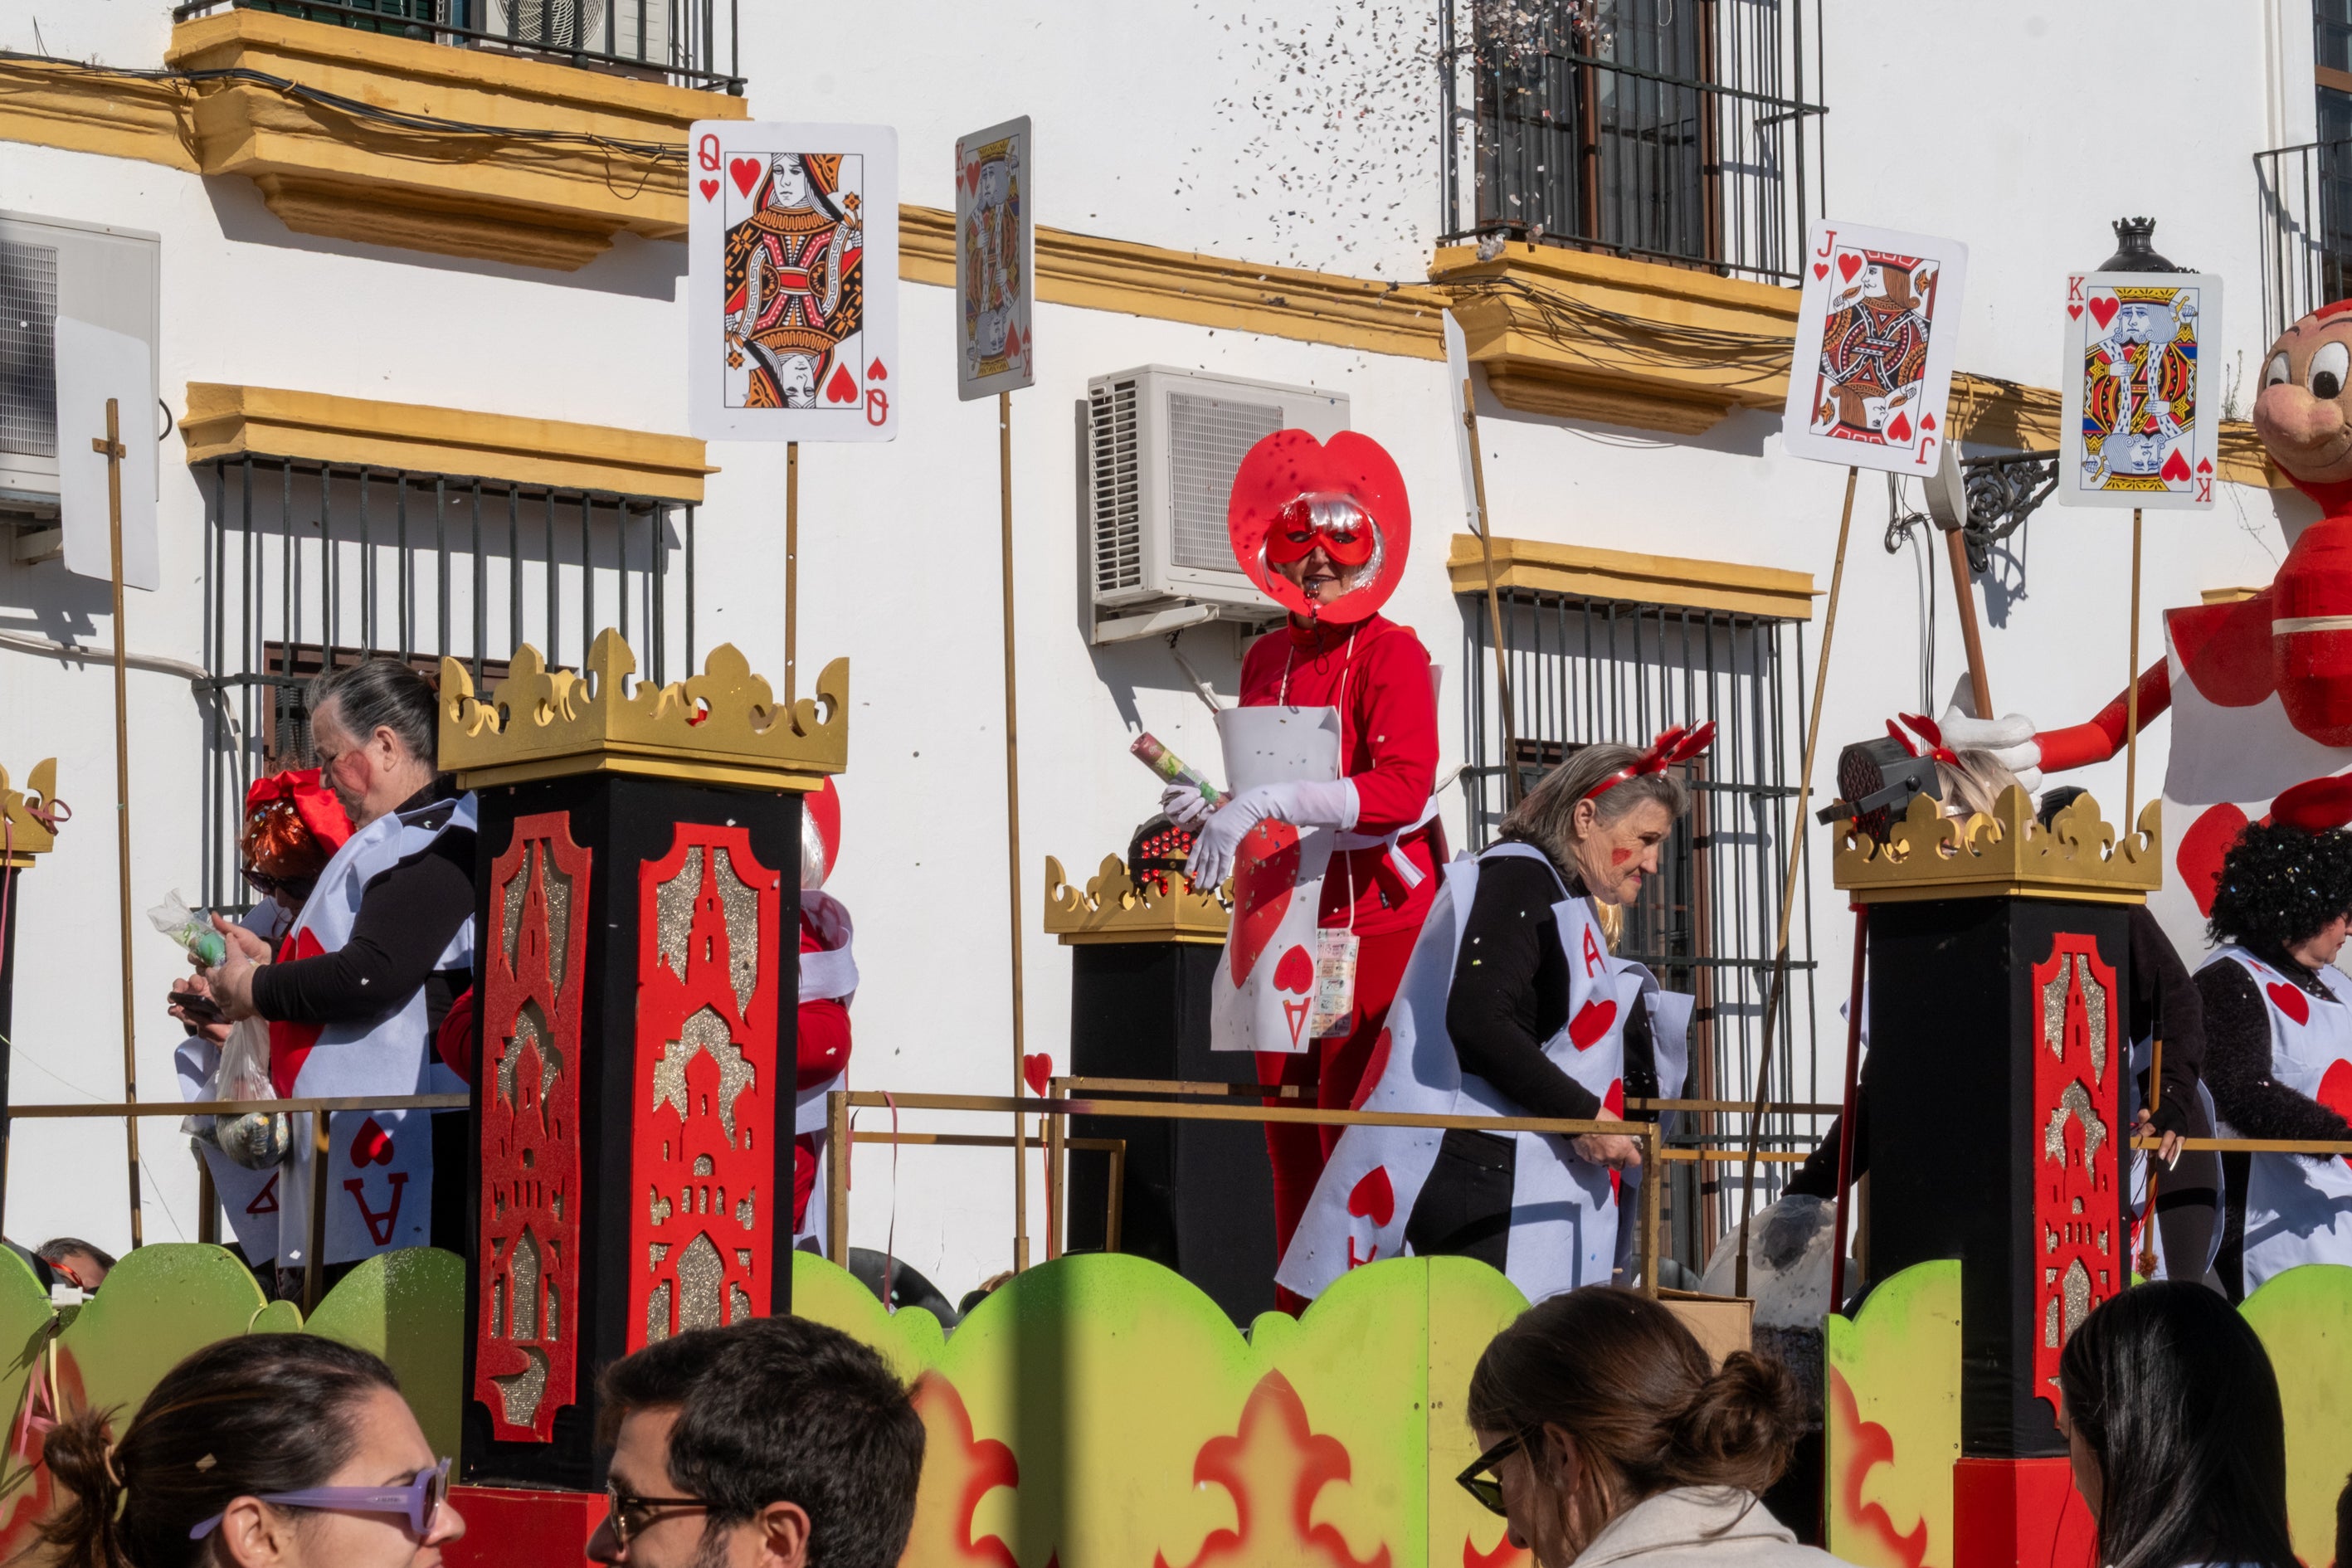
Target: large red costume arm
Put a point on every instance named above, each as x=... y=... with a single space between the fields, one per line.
x=2103 y=737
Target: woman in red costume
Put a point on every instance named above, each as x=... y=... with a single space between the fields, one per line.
x=1323 y=530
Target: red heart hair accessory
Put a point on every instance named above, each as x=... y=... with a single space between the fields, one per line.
x=1291 y=473
x=1674 y=746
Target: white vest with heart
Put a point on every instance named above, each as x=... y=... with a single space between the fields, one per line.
x=2299 y=1209
x=1564 y=1227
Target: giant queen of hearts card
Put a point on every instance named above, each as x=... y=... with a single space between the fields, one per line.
x=1877 y=328
x=793 y=274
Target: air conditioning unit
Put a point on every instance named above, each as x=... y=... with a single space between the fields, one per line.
x=1162 y=448
x=633 y=29
x=111 y=278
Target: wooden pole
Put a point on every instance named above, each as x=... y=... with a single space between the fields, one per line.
x=792 y=569
x=116 y=452
x=1012 y=834
x=2131 y=697
x=1789 y=888
x=836 y=1176
x=1964 y=589
x=1494 y=604
x=314 y=1256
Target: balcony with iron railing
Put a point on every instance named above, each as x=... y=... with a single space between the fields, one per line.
x=685 y=43
x=2305 y=206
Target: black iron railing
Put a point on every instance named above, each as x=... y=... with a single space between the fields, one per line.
x=309 y=564
x=689 y=43
x=2305 y=197
x=1586 y=672
x=1672 y=129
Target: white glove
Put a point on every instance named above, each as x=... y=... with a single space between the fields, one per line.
x=2014 y=741
x=1186 y=806
x=1302 y=804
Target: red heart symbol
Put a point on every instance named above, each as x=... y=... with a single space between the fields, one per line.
x=1263 y=871
x=371 y=1145
x=1848 y=264
x=1038 y=1071
x=1011 y=343
x=709 y=189
x=877 y=371
x=1373 y=1198
x=1296 y=973
x=2103 y=309
x=841 y=389
x=1900 y=431
x=2335 y=1092
x=1374 y=1066
x=2198 y=858
x=1821 y=269
x=972 y=175
x=2176 y=466
x=745 y=172
x=2074 y=312
x=1927 y=422
x=1591 y=1022
x=2290 y=1001
x=2204 y=464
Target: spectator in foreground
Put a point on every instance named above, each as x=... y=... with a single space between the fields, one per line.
x=289 y=1450
x=778 y=1441
x=1605 y=1435
x=2172 y=1421
x=76 y=1261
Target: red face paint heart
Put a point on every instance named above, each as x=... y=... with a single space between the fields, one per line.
x=2175 y=468
x=877 y=371
x=1373 y=1198
x=1038 y=1071
x=2290 y=1001
x=1619 y=857
x=1264 y=871
x=1899 y=432
x=709 y=189
x=1374 y=1066
x=841 y=388
x=2335 y=1092
x=1591 y=1022
x=371 y=1146
x=745 y=172
x=1296 y=973
x=2102 y=311
x=2198 y=858
x=1821 y=269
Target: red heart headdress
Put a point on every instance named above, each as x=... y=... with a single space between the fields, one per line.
x=1679 y=744
x=1927 y=729
x=1308 y=492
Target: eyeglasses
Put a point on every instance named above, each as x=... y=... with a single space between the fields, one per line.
x=629 y=1514
x=420 y=1500
x=1489 y=1488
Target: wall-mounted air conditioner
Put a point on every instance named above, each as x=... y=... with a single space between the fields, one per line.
x=1162 y=446
x=111 y=278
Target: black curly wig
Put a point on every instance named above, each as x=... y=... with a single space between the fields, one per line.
x=2280 y=886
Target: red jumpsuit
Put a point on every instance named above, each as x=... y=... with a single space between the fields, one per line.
x=823 y=1050
x=1377 y=674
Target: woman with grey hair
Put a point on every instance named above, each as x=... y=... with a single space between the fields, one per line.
x=1512 y=1005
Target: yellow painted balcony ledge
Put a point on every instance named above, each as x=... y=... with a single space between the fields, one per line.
x=1582 y=571
x=231 y=421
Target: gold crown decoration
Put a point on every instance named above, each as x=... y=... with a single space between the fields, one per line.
x=2008 y=853
x=1115 y=906
x=30 y=814
x=723 y=726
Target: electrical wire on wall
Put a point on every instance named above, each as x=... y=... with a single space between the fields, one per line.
x=1913 y=528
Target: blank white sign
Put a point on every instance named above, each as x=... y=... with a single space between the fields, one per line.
x=94 y=365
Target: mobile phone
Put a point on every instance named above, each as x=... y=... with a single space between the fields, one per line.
x=197 y=1005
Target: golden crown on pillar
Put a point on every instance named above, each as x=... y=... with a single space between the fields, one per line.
x=1927 y=855
x=30 y=814
x=1115 y=907
x=723 y=726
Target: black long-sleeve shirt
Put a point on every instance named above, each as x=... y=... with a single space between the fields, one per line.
x=2238 y=1052
x=406 y=916
x=1510 y=995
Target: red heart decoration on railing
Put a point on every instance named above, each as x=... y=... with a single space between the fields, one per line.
x=1038 y=1071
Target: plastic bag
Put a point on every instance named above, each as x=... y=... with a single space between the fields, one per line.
x=257 y=1140
x=192 y=931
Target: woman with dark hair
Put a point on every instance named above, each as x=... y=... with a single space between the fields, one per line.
x=1605 y=1435
x=2278 y=1046
x=2171 y=1416
x=363 y=980
x=1512 y=1005
x=286 y=1449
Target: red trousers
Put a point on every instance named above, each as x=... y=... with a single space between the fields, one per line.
x=1334 y=1071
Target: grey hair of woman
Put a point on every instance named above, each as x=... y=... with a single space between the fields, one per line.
x=1977 y=784
x=380 y=693
x=1546 y=815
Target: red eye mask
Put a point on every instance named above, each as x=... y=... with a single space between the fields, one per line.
x=1345 y=533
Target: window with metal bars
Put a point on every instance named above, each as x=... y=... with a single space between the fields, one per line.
x=1586 y=672
x=310 y=565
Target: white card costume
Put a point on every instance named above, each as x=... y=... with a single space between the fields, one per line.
x=249 y=1197
x=1564 y=1211
x=1263 y=991
x=2299 y=1209
x=793 y=278
x=2140 y=428
x=1877 y=328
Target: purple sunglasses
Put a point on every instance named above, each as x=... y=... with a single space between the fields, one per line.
x=420 y=1500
